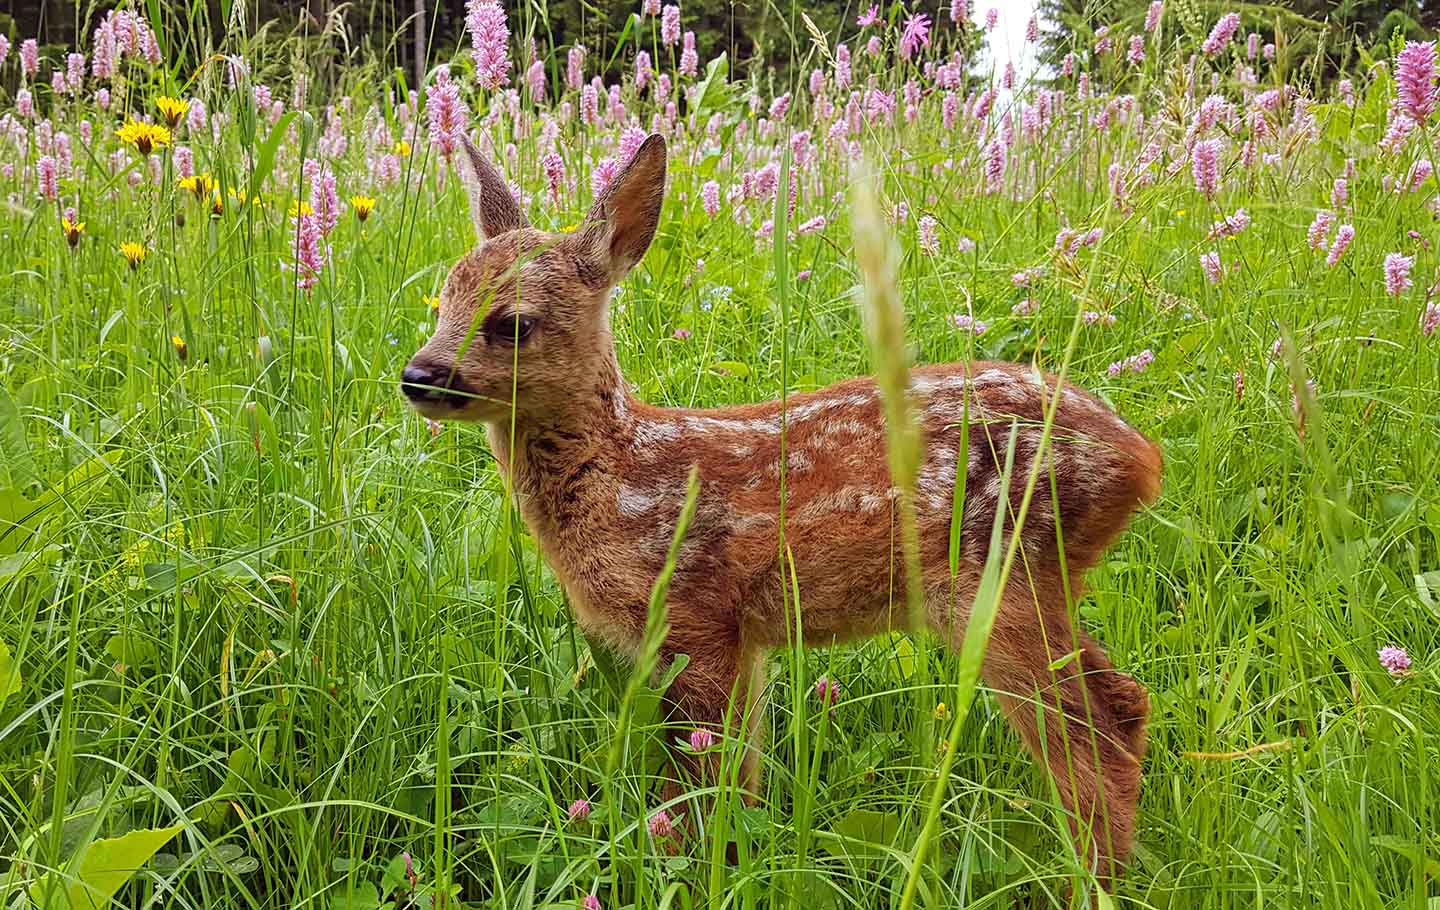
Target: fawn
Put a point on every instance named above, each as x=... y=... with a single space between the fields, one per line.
x=523 y=344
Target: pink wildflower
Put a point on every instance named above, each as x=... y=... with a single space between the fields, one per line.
x=1210 y=262
x=650 y=8
x=579 y=810
x=780 y=107
x=490 y=37
x=1221 y=34
x=929 y=241
x=1430 y=319
x=814 y=224
x=965 y=245
x=701 y=740
x=1339 y=191
x=606 y=170
x=589 y=902
x=689 y=58
x=46 y=170
x=827 y=690
x=915 y=35
x=1152 y=15
x=670 y=25
x=994 y=166
x=554 y=167
x=967 y=323
x=1415 y=79
x=992 y=18
x=1135 y=363
x=310 y=254
x=643 y=70
x=659 y=825
x=1343 y=236
x=1136 y=56
x=842 y=66
x=1231 y=226
x=630 y=142
x=1397 y=273
x=870 y=17
x=1027 y=307
x=1394 y=659
x=874 y=46
x=1205 y=165
x=445 y=113
x=30 y=57
x=1319 y=229
x=1346 y=90
x=1032 y=30
x=1093 y=317
x=575 y=66
x=4 y=48
x=24 y=103
x=535 y=81
x=710 y=198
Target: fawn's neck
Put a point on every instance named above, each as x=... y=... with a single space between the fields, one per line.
x=555 y=460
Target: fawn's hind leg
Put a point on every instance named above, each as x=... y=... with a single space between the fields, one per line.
x=1084 y=720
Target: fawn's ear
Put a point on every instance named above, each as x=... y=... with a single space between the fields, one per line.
x=621 y=224
x=492 y=208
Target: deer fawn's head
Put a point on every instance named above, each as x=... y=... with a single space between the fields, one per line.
x=524 y=319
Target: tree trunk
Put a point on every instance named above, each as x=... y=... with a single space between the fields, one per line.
x=419 y=43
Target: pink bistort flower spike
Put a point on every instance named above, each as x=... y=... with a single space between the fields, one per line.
x=670 y=25
x=1415 y=79
x=1205 y=165
x=490 y=38
x=1343 y=236
x=1394 y=659
x=1221 y=34
x=1397 y=273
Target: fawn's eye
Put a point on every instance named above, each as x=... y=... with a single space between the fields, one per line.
x=513 y=329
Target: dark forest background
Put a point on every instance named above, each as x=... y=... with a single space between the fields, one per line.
x=757 y=35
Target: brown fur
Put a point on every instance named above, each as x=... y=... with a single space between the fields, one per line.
x=600 y=478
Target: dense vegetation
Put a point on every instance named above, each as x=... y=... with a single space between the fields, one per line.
x=267 y=638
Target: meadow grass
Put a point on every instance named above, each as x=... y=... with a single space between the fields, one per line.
x=248 y=592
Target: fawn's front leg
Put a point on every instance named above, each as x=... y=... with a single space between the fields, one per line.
x=720 y=692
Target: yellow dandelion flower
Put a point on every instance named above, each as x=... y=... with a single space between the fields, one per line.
x=172 y=109
x=72 y=231
x=300 y=208
x=402 y=148
x=941 y=711
x=432 y=301
x=217 y=204
x=146 y=137
x=199 y=184
x=181 y=350
x=363 y=206
x=134 y=253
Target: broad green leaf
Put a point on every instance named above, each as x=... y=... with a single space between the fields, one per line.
x=90 y=880
x=904 y=654
x=17 y=470
x=732 y=368
x=265 y=155
x=9 y=674
x=355 y=896
x=865 y=832
x=712 y=92
x=18 y=565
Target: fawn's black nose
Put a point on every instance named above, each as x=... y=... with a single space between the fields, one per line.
x=430 y=382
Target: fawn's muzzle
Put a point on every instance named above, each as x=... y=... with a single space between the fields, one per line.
x=428 y=382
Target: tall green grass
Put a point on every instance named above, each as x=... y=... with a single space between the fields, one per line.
x=249 y=593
